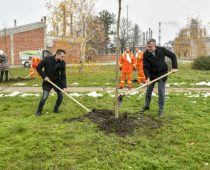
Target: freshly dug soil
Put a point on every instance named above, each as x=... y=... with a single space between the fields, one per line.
x=123 y=126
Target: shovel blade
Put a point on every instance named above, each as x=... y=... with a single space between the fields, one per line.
x=120 y=98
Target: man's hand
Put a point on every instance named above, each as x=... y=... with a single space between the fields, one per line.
x=46 y=79
x=148 y=82
x=174 y=70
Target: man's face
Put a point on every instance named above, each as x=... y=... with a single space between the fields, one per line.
x=60 y=57
x=151 y=47
x=127 y=50
x=137 y=49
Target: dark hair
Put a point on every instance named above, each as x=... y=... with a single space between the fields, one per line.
x=151 y=40
x=59 y=51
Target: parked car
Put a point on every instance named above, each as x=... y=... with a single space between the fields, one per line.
x=26 y=56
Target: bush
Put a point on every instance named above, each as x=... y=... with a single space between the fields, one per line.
x=201 y=63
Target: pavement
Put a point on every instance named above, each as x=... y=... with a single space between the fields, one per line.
x=98 y=89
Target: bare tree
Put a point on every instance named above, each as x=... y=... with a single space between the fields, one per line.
x=190 y=41
x=126 y=33
x=117 y=62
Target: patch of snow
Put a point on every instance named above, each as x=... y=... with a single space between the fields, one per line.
x=19 y=84
x=52 y=94
x=35 y=85
x=176 y=84
x=112 y=95
x=75 y=84
x=154 y=94
x=193 y=102
x=202 y=83
x=108 y=83
x=75 y=94
x=206 y=95
x=134 y=93
x=194 y=95
x=13 y=94
x=1 y=95
x=94 y=94
x=29 y=94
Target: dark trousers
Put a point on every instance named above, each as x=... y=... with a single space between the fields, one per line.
x=46 y=91
x=2 y=76
x=161 y=94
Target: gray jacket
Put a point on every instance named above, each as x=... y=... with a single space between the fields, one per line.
x=4 y=66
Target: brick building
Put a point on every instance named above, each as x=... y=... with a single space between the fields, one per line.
x=34 y=37
x=22 y=38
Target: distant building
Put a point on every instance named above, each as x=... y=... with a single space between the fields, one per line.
x=34 y=37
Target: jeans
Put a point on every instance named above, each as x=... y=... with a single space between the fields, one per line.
x=161 y=94
x=44 y=98
x=2 y=75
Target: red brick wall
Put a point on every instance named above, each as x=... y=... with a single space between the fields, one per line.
x=106 y=58
x=72 y=50
x=29 y=40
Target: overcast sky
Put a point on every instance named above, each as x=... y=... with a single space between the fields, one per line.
x=172 y=13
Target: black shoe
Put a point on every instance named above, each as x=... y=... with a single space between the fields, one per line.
x=56 y=111
x=144 y=109
x=38 y=113
x=160 y=113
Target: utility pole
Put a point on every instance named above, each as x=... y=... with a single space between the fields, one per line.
x=127 y=23
x=144 y=38
x=159 y=43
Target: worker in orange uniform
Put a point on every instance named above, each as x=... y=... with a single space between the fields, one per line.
x=139 y=58
x=34 y=62
x=127 y=65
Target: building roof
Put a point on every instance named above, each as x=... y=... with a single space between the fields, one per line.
x=23 y=28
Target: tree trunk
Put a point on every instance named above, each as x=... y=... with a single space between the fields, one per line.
x=117 y=63
x=71 y=25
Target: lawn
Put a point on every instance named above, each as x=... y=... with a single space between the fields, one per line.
x=48 y=142
x=104 y=76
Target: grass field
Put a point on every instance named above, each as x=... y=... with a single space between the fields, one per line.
x=47 y=142
x=104 y=76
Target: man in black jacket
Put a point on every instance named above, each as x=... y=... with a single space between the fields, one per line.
x=155 y=66
x=54 y=70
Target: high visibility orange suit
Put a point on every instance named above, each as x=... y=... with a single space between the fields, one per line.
x=139 y=57
x=127 y=64
x=34 y=62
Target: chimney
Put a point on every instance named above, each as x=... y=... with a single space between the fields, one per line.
x=15 y=23
x=44 y=19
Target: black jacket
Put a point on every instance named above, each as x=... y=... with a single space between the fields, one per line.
x=155 y=66
x=56 y=71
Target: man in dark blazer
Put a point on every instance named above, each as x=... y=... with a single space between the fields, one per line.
x=155 y=66
x=55 y=71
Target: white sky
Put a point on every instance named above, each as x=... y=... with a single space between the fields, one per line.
x=172 y=13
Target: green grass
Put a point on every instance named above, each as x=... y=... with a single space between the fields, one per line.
x=104 y=76
x=47 y=142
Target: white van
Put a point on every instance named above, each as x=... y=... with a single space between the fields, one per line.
x=26 y=56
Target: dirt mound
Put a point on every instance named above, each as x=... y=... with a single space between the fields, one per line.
x=123 y=126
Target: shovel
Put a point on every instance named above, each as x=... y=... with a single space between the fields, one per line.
x=120 y=96
x=88 y=110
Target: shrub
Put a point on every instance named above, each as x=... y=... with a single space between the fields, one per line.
x=201 y=63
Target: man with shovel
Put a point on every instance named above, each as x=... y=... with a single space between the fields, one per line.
x=54 y=71
x=155 y=66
